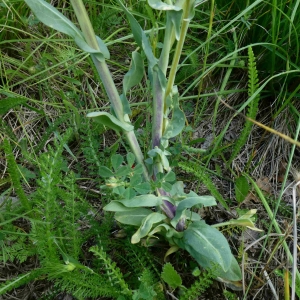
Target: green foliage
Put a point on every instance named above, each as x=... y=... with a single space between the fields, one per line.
x=113 y=272
x=241 y=188
x=199 y=286
x=15 y=176
x=170 y=276
x=253 y=106
x=199 y=172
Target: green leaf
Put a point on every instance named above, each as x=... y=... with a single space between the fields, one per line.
x=51 y=17
x=143 y=200
x=133 y=217
x=130 y=159
x=143 y=188
x=129 y=193
x=140 y=37
x=123 y=171
x=190 y=202
x=138 y=169
x=110 y=121
x=105 y=172
x=177 y=123
x=8 y=103
x=232 y=274
x=206 y=245
x=135 y=180
x=116 y=206
x=170 y=276
x=116 y=161
x=146 y=226
x=241 y=188
x=170 y=176
x=159 y=5
x=99 y=54
x=166 y=186
x=132 y=78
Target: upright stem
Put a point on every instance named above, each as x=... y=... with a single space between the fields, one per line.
x=109 y=85
x=179 y=46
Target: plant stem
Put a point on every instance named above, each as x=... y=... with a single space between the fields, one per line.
x=106 y=78
x=179 y=46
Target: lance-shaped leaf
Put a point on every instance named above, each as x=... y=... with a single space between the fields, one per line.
x=51 y=17
x=110 y=121
x=132 y=78
x=206 y=245
x=190 y=202
x=232 y=276
x=140 y=36
x=133 y=217
x=176 y=124
x=146 y=226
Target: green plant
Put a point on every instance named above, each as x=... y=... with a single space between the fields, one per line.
x=140 y=183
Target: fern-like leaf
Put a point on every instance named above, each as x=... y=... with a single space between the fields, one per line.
x=253 y=106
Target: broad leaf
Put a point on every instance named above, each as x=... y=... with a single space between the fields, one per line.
x=110 y=121
x=133 y=217
x=206 y=245
x=232 y=275
x=190 y=202
x=143 y=200
x=146 y=226
x=170 y=276
x=117 y=206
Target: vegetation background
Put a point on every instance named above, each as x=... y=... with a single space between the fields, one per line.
x=47 y=86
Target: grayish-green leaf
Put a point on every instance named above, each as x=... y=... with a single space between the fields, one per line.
x=232 y=274
x=146 y=226
x=207 y=245
x=116 y=206
x=132 y=78
x=176 y=124
x=140 y=37
x=170 y=276
x=159 y=5
x=133 y=217
x=110 y=121
x=190 y=202
x=143 y=200
x=51 y=17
